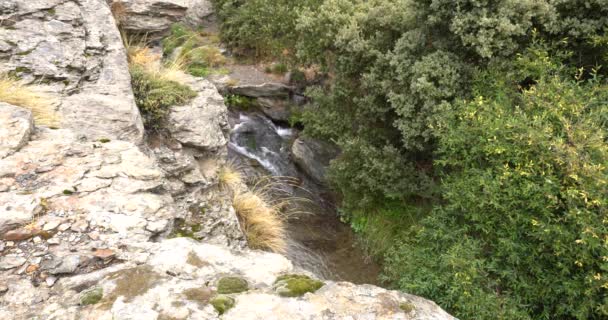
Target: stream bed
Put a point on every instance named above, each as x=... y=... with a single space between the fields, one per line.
x=318 y=240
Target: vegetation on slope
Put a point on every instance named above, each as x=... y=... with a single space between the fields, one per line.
x=14 y=92
x=473 y=139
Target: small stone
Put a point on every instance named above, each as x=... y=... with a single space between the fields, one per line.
x=3 y=288
x=157 y=226
x=53 y=241
x=94 y=235
x=91 y=296
x=50 y=281
x=10 y=243
x=232 y=285
x=104 y=254
x=64 y=226
x=51 y=225
x=31 y=268
x=19 y=234
x=37 y=239
x=69 y=264
x=11 y=262
x=295 y=285
x=80 y=226
x=222 y=303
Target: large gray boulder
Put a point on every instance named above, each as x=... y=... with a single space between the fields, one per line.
x=313 y=156
x=150 y=17
x=75 y=50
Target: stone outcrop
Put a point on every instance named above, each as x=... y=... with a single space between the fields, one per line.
x=75 y=49
x=98 y=223
x=313 y=156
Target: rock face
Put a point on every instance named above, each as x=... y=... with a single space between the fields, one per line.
x=313 y=156
x=75 y=48
x=16 y=126
x=98 y=223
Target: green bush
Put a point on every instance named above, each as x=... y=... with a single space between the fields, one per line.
x=154 y=95
x=522 y=232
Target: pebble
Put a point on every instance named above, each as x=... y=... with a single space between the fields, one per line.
x=94 y=235
x=37 y=240
x=10 y=243
x=69 y=264
x=3 y=288
x=19 y=234
x=64 y=226
x=50 y=280
x=11 y=262
x=53 y=241
x=80 y=226
x=51 y=225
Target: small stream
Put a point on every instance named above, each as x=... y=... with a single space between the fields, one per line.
x=318 y=241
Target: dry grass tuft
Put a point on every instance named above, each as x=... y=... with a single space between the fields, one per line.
x=262 y=219
x=140 y=55
x=14 y=92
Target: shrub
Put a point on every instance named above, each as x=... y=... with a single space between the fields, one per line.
x=522 y=231
x=14 y=92
x=154 y=95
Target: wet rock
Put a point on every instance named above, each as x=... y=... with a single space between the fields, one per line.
x=276 y=109
x=232 y=285
x=91 y=296
x=16 y=126
x=313 y=156
x=262 y=90
x=295 y=285
x=11 y=262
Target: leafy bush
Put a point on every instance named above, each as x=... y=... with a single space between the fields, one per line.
x=522 y=233
x=154 y=95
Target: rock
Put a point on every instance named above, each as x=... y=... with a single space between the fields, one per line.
x=202 y=123
x=50 y=280
x=275 y=108
x=91 y=296
x=152 y=18
x=16 y=126
x=69 y=264
x=199 y=12
x=222 y=303
x=16 y=209
x=51 y=225
x=313 y=156
x=232 y=285
x=157 y=226
x=20 y=234
x=295 y=285
x=80 y=226
x=262 y=90
x=11 y=262
x=75 y=47
x=104 y=254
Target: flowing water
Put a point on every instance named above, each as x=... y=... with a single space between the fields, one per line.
x=318 y=241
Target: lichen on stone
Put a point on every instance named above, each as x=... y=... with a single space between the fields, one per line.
x=91 y=296
x=407 y=307
x=295 y=285
x=222 y=303
x=232 y=285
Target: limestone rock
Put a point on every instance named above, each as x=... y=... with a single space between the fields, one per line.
x=75 y=47
x=203 y=122
x=151 y=17
x=313 y=156
x=16 y=126
x=275 y=108
x=16 y=210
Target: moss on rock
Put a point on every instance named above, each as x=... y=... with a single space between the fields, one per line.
x=232 y=285
x=295 y=285
x=222 y=303
x=91 y=296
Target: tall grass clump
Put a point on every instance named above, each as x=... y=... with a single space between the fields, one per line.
x=14 y=92
x=262 y=216
x=156 y=85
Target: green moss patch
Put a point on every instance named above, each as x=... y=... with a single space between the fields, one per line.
x=222 y=303
x=295 y=285
x=91 y=296
x=407 y=307
x=232 y=285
